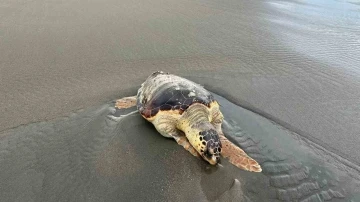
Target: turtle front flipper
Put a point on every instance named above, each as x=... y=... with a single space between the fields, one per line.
x=183 y=141
x=166 y=126
x=126 y=102
x=233 y=153
x=237 y=156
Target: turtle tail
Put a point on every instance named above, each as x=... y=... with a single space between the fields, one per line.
x=237 y=156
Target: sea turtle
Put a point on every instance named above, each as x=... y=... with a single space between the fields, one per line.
x=185 y=111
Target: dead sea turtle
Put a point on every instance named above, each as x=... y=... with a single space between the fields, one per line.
x=185 y=111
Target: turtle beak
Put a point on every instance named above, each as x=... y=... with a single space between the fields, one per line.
x=214 y=160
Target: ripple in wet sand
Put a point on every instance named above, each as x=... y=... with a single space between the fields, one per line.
x=94 y=156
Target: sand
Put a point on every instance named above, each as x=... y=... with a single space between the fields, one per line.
x=97 y=155
x=293 y=63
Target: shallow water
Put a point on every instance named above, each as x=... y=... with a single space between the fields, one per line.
x=324 y=30
x=94 y=156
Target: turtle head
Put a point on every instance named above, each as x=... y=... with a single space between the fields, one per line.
x=210 y=146
x=204 y=138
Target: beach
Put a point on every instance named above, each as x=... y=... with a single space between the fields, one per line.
x=286 y=73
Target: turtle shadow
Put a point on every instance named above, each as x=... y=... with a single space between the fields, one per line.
x=217 y=181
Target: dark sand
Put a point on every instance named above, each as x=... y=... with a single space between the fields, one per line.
x=95 y=155
x=293 y=62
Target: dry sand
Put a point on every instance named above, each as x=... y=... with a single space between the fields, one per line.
x=294 y=62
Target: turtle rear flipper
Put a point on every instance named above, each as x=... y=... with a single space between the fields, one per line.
x=126 y=102
x=237 y=156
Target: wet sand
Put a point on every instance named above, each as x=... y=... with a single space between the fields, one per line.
x=97 y=155
x=292 y=62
